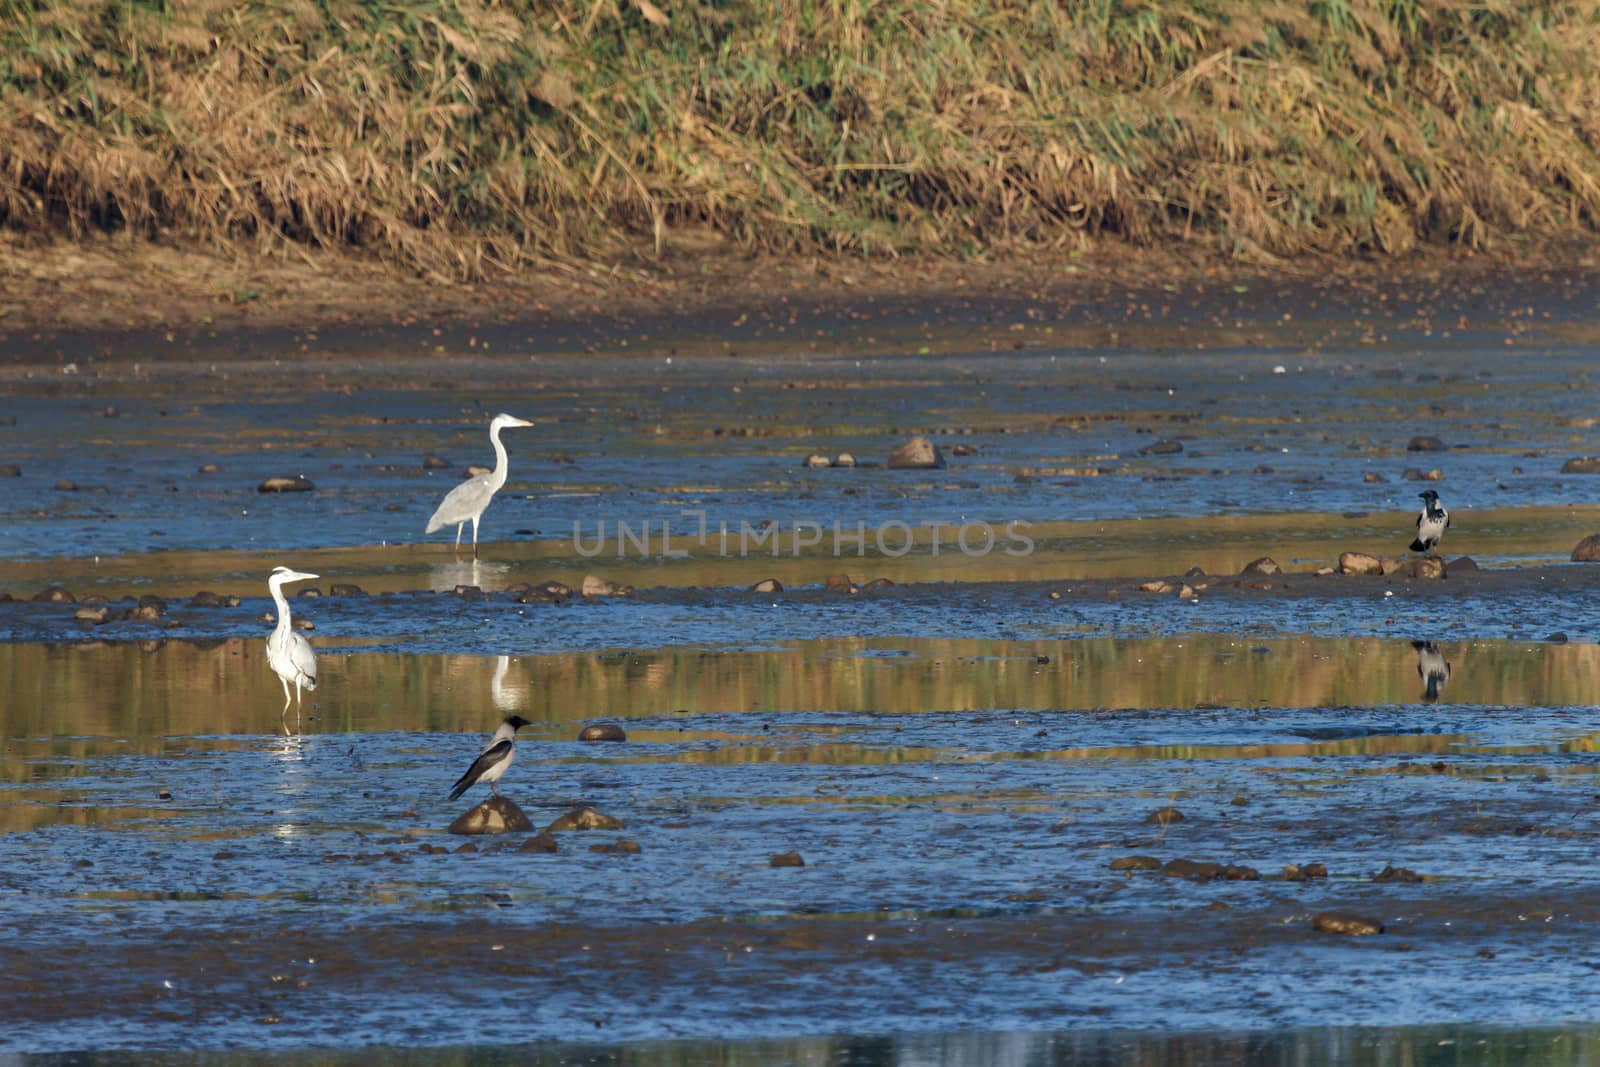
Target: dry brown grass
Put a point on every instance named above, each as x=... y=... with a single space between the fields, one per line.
x=463 y=140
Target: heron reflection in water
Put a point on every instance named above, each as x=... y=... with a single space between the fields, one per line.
x=1432 y=668
x=467 y=501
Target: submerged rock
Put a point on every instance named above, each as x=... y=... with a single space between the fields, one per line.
x=345 y=589
x=1162 y=448
x=432 y=462
x=597 y=586
x=1338 y=922
x=1305 y=873
x=787 y=859
x=585 y=819
x=1581 y=465
x=1264 y=565
x=838 y=583
x=605 y=731
x=623 y=847
x=497 y=815
x=919 y=453
x=54 y=595
x=540 y=842
x=1205 y=871
x=1165 y=816
x=767 y=585
x=1425 y=444
x=551 y=592
x=10 y=470
x=298 y=484
x=1398 y=874
x=1135 y=863
x=205 y=598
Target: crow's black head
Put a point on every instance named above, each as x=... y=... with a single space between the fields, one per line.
x=1429 y=495
x=517 y=722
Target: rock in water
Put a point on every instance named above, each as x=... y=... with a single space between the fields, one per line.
x=585 y=819
x=1428 y=567
x=1264 y=565
x=1424 y=444
x=1333 y=922
x=919 y=453
x=594 y=586
x=1359 y=563
x=298 y=484
x=767 y=585
x=788 y=859
x=1587 y=550
x=1582 y=465
x=605 y=731
x=497 y=815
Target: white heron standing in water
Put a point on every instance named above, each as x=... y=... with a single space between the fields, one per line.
x=468 y=500
x=288 y=653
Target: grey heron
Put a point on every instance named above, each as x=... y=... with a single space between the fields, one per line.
x=493 y=760
x=288 y=653
x=1431 y=523
x=468 y=500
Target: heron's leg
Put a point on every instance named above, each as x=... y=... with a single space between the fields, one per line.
x=474 y=537
x=459 y=527
x=285 y=682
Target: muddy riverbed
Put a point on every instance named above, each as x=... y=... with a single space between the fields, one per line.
x=1042 y=813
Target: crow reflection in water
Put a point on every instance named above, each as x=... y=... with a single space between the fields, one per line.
x=1432 y=668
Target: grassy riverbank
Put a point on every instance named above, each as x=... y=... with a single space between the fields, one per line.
x=465 y=140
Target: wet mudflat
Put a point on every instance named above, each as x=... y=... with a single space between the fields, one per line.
x=1041 y=812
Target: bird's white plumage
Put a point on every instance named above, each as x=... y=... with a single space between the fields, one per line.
x=495 y=758
x=468 y=501
x=289 y=654
x=1431 y=523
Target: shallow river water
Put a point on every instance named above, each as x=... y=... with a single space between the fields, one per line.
x=987 y=762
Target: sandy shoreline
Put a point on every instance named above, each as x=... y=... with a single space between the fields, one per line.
x=123 y=301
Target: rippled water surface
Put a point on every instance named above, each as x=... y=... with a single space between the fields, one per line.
x=1002 y=774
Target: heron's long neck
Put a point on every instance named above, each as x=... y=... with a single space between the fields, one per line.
x=283 y=609
x=499 y=475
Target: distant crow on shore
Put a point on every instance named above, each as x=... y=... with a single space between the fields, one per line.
x=1431 y=523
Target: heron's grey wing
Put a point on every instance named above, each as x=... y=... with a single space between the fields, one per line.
x=486 y=759
x=462 y=503
x=305 y=661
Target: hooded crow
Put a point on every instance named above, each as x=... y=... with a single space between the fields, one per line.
x=494 y=759
x=1431 y=523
